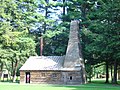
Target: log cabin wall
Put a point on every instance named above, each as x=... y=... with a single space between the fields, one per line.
x=22 y=77
x=52 y=77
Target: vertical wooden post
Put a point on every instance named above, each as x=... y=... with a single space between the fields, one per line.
x=41 y=46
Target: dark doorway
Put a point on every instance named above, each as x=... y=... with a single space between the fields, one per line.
x=27 y=77
x=70 y=77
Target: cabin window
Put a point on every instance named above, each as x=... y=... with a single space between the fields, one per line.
x=54 y=75
x=71 y=78
x=43 y=74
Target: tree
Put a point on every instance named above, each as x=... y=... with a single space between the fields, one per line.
x=100 y=30
x=16 y=52
x=16 y=19
x=105 y=24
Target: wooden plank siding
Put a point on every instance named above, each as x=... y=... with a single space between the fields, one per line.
x=52 y=77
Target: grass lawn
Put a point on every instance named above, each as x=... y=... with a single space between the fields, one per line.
x=91 y=86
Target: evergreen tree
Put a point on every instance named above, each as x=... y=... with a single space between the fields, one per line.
x=16 y=19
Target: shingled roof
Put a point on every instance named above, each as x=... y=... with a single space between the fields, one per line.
x=43 y=63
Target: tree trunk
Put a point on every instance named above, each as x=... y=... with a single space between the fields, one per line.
x=83 y=9
x=46 y=15
x=115 y=72
x=107 y=72
x=97 y=75
x=1 y=66
x=63 y=10
x=15 y=70
x=111 y=75
x=12 y=71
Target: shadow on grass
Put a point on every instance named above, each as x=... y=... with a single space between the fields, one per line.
x=103 y=82
x=94 y=85
x=90 y=86
x=9 y=81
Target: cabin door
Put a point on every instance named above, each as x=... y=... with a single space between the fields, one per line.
x=64 y=77
x=27 y=77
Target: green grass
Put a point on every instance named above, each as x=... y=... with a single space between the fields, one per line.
x=96 y=85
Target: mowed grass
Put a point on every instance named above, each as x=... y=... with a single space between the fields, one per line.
x=90 y=86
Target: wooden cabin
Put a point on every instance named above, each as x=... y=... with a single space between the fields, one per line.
x=67 y=69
